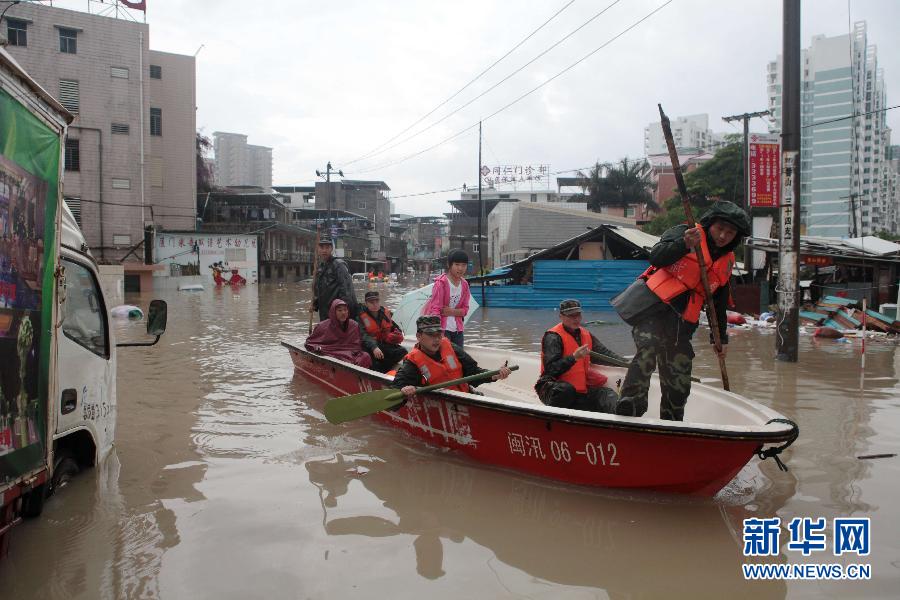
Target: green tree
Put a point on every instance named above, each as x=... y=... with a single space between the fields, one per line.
x=618 y=184
x=887 y=235
x=204 y=172
x=720 y=178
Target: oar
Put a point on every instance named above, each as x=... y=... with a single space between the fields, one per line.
x=615 y=362
x=348 y=408
x=597 y=322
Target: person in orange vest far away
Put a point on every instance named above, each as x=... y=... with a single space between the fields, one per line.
x=381 y=336
x=663 y=306
x=435 y=359
x=567 y=379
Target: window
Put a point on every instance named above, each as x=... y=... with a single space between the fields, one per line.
x=121 y=184
x=17 y=32
x=360 y=204
x=121 y=239
x=118 y=72
x=534 y=197
x=74 y=205
x=73 y=155
x=629 y=211
x=155 y=121
x=155 y=72
x=68 y=40
x=119 y=128
x=68 y=95
x=475 y=248
x=156 y=172
x=84 y=322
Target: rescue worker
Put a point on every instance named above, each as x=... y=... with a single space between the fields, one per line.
x=567 y=379
x=435 y=359
x=381 y=336
x=332 y=281
x=664 y=305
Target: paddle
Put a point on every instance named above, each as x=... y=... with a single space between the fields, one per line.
x=615 y=362
x=347 y=408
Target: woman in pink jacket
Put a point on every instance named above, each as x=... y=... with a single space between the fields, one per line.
x=450 y=297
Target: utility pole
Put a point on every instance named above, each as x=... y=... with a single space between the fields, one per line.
x=327 y=175
x=788 y=337
x=745 y=149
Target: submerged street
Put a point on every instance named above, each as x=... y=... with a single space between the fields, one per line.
x=227 y=482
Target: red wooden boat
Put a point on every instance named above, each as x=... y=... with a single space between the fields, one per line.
x=509 y=427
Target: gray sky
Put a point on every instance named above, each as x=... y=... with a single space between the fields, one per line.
x=332 y=81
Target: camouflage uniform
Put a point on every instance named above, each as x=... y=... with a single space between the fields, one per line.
x=662 y=338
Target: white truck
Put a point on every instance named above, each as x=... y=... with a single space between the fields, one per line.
x=57 y=349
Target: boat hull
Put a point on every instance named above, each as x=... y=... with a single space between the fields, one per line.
x=595 y=450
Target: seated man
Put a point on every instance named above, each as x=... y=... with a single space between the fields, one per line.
x=381 y=336
x=435 y=359
x=339 y=337
x=567 y=379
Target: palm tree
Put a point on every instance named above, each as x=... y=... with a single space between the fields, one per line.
x=619 y=184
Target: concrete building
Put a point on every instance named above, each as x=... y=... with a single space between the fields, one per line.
x=538 y=226
x=368 y=198
x=843 y=160
x=240 y=163
x=690 y=132
x=130 y=153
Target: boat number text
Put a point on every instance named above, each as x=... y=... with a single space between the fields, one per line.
x=600 y=453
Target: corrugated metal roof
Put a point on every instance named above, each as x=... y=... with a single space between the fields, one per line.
x=636 y=236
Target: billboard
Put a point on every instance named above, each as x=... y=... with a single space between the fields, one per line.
x=764 y=168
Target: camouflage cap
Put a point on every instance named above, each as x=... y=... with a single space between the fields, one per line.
x=569 y=307
x=372 y=295
x=428 y=324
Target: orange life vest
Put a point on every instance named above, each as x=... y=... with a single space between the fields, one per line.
x=577 y=375
x=378 y=331
x=684 y=275
x=437 y=372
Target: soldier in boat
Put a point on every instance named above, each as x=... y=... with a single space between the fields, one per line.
x=567 y=379
x=664 y=305
x=435 y=359
x=381 y=335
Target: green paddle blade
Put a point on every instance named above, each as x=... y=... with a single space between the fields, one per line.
x=347 y=408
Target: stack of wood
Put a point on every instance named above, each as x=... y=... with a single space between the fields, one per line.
x=842 y=314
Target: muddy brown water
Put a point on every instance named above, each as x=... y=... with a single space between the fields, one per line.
x=227 y=482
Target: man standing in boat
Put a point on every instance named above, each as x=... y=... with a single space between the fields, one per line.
x=381 y=336
x=435 y=359
x=664 y=305
x=332 y=281
x=567 y=379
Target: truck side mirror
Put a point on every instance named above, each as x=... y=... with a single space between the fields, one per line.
x=156 y=317
x=156 y=323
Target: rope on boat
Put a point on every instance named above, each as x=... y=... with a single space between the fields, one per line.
x=776 y=450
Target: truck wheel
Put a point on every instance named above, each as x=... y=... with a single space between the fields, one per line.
x=66 y=468
x=33 y=501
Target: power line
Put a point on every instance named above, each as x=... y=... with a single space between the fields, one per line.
x=853 y=116
x=526 y=94
x=105 y=202
x=476 y=78
x=496 y=85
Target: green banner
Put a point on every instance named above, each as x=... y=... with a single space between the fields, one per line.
x=29 y=190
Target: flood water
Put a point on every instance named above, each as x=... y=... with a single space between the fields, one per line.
x=227 y=482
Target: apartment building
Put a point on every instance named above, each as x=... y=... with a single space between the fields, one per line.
x=130 y=153
x=240 y=163
x=691 y=132
x=844 y=187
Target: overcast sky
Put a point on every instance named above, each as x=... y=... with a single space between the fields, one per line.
x=332 y=81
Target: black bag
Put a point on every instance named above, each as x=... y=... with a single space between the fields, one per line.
x=637 y=302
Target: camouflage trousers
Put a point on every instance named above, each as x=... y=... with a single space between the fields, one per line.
x=663 y=341
x=562 y=394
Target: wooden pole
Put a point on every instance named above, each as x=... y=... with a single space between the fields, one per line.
x=689 y=215
x=315 y=274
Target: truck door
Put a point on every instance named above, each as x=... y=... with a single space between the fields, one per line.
x=86 y=362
